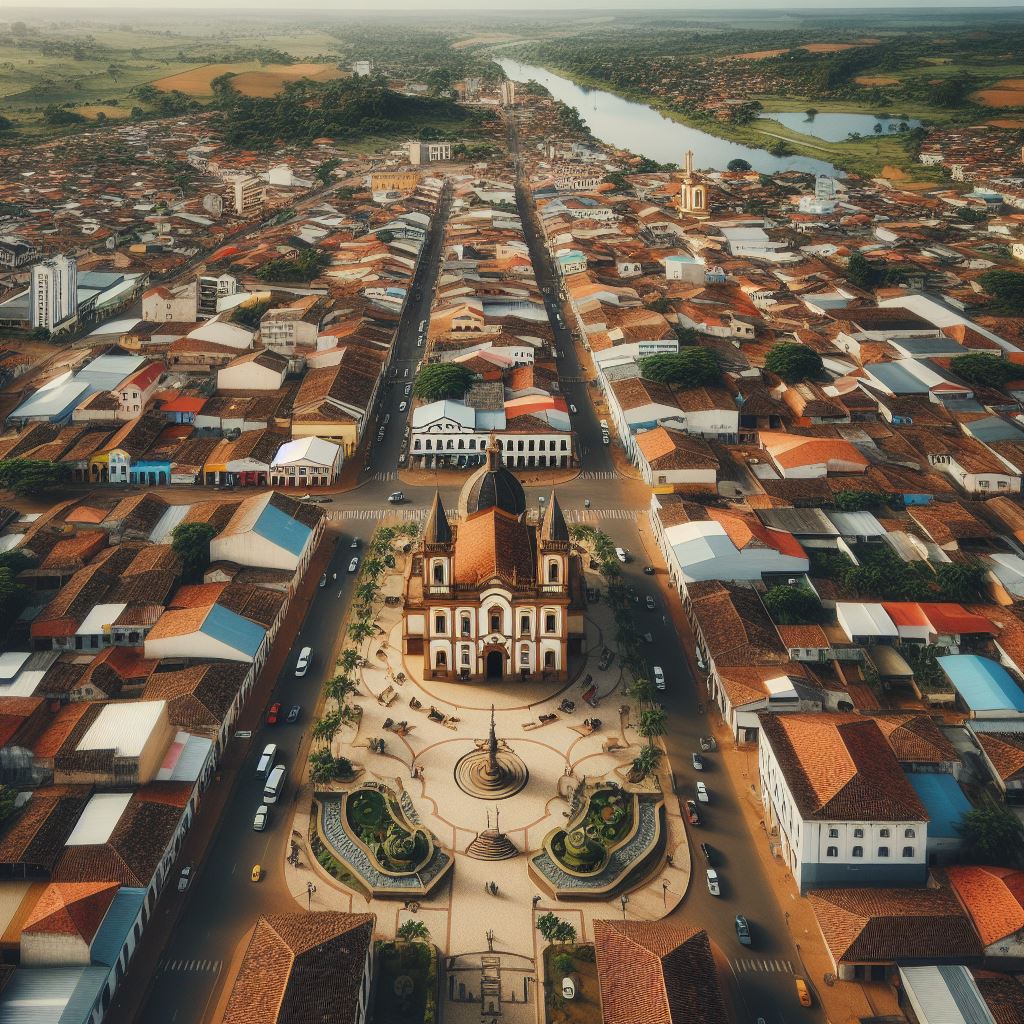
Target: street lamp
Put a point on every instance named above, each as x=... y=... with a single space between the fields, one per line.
x=623 y=899
x=310 y=889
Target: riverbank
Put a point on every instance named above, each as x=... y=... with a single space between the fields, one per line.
x=866 y=157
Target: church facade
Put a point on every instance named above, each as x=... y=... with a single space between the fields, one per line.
x=693 y=193
x=493 y=596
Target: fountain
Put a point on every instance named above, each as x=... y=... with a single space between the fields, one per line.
x=493 y=771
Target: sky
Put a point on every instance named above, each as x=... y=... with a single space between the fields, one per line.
x=496 y=6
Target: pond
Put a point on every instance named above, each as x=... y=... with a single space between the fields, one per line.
x=838 y=127
x=646 y=132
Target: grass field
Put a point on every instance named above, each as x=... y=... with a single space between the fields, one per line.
x=1009 y=92
x=251 y=79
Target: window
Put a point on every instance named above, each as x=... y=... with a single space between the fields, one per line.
x=441 y=660
x=908 y=851
x=883 y=851
x=884 y=833
x=549 y=659
x=438 y=623
x=549 y=623
x=524 y=657
x=465 y=656
x=495 y=622
x=439 y=572
x=858 y=851
x=465 y=625
x=858 y=833
x=833 y=833
x=552 y=572
x=832 y=851
x=524 y=625
x=908 y=833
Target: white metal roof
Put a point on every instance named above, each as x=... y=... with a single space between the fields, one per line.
x=864 y=619
x=856 y=524
x=307 y=449
x=10 y=664
x=99 y=819
x=945 y=994
x=100 y=619
x=185 y=758
x=124 y=727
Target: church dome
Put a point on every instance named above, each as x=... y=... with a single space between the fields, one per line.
x=492 y=486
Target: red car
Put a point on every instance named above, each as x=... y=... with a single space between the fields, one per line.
x=691 y=813
x=274 y=714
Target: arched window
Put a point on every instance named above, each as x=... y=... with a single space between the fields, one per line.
x=549 y=623
x=858 y=851
x=908 y=833
x=439 y=572
x=549 y=659
x=465 y=624
x=494 y=617
x=441 y=660
x=908 y=851
x=552 y=572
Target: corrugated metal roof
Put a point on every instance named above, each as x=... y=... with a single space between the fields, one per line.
x=98 y=820
x=117 y=923
x=185 y=759
x=167 y=522
x=124 y=727
x=281 y=529
x=945 y=994
x=229 y=628
x=943 y=799
x=51 y=995
x=983 y=684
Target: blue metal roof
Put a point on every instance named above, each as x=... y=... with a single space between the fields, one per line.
x=943 y=799
x=234 y=630
x=117 y=923
x=280 y=529
x=983 y=684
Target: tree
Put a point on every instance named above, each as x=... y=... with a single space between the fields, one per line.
x=992 y=834
x=30 y=477
x=360 y=630
x=191 y=543
x=412 y=930
x=326 y=728
x=961 y=582
x=646 y=762
x=1006 y=287
x=858 y=501
x=793 y=606
x=324 y=171
x=793 y=362
x=325 y=767
x=651 y=724
x=386 y=236
x=691 y=367
x=811 y=112
x=8 y=798
x=554 y=929
x=565 y=933
x=442 y=380
x=13 y=599
x=738 y=164
x=563 y=964
x=984 y=370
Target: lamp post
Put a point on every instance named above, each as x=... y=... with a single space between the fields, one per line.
x=623 y=899
x=310 y=889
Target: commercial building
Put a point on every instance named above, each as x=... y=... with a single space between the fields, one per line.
x=54 y=293
x=429 y=152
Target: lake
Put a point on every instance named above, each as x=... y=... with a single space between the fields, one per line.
x=837 y=127
x=643 y=130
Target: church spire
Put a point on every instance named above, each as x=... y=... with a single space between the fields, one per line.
x=553 y=526
x=437 y=529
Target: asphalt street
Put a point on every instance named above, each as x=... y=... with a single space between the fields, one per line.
x=222 y=902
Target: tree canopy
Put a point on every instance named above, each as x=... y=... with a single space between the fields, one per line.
x=992 y=834
x=984 y=370
x=738 y=164
x=1007 y=288
x=29 y=477
x=690 y=367
x=442 y=380
x=793 y=606
x=794 y=363
x=191 y=543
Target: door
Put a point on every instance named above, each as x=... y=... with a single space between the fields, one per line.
x=495 y=664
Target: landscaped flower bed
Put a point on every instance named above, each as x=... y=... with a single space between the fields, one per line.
x=606 y=820
x=382 y=828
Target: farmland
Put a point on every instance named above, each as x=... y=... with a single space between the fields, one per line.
x=251 y=79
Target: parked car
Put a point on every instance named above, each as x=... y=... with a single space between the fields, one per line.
x=293 y=714
x=708 y=853
x=403 y=406
x=620 y=554
x=355 y=543
x=259 y=823
x=323 y=580
x=302 y=665
x=274 y=714
x=408 y=388
x=572 y=409
x=708 y=743
x=697 y=761
x=713 y=885
x=353 y=565
x=648 y=570
x=702 y=793
x=659 y=677
x=396 y=497
x=691 y=813
x=803 y=993
x=742 y=930
x=649 y=601
x=605 y=439
x=257 y=873
x=184 y=878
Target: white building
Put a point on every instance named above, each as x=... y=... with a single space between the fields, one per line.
x=53 y=294
x=249 y=194
x=162 y=303
x=306 y=462
x=261 y=370
x=682 y=267
x=429 y=152
x=271 y=531
x=838 y=808
x=213 y=288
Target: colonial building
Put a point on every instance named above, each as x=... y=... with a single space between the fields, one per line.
x=693 y=193
x=494 y=596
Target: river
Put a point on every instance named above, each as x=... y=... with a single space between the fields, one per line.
x=643 y=130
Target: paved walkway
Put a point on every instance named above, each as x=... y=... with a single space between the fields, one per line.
x=461 y=912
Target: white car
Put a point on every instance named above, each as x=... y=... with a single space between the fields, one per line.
x=259 y=823
x=702 y=793
x=184 y=878
x=302 y=665
x=572 y=409
x=620 y=554
x=403 y=407
x=659 y=677
x=353 y=565
x=713 y=886
x=605 y=439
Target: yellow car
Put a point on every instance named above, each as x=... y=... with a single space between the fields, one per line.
x=803 y=993
x=257 y=874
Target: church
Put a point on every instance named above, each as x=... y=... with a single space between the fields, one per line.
x=492 y=596
x=693 y=193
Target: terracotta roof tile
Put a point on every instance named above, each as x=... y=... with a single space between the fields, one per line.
x=993 y=897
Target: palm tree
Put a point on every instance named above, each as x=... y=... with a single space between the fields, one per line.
x=646 y=762
x=360 y=630
x=326 y=728
x=349 y=660
x=366 y=592
x=413 y=931
x=651 y=724
x=340 y=687
x=373 y=567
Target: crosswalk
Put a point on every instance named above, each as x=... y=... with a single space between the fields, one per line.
x=763 y=965
x=385 y=475
x=593 y=515
x=189 y=966
x=572 y=515
x=599 y=475
x=342 y=514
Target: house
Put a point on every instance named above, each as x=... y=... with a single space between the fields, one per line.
x=866 y=623
x=838 y=801
x=334 y=401
x=293 y=327
x=797 y=457
x=176 y=303
x=657 y=972
x=262 y=370
x=1001 y=742
x=636 y=404
x=210 y=631
x=304 y=967
x=306 y=462
x=867 y=931
x=669 y=457
x=983 y=687
x=945 y=804
x=993 y=898
x=271 y=531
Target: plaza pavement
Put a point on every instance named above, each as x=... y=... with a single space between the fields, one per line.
x=461 y=913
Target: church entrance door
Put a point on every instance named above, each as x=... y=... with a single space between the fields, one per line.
x=495 y=665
